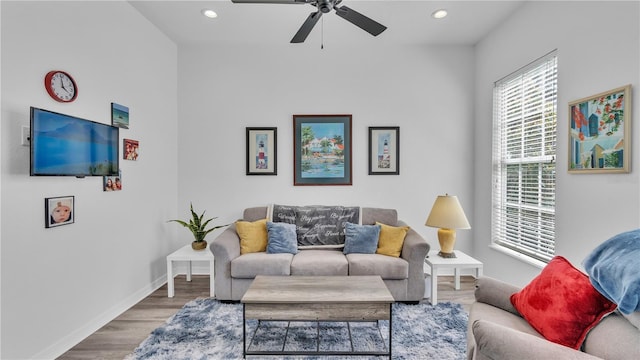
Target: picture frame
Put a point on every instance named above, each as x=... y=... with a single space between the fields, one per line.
x=112 y=183
x=384 y=150
x=59 y=211
x=262 y=150
x=130 y=149
x=599 y=132
x=119 y=116
x=322 y=150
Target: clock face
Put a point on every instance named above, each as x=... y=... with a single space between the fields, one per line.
x=61 y=86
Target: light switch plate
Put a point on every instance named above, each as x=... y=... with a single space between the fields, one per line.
x=25 y=136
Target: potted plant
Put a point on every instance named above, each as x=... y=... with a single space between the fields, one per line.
x=198 y=227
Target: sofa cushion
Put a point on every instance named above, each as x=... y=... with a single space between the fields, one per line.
x=247 y=266
x=319 y=262
x=387 y=267
x=561 y=303
x=253 y=236
x=281 y=238
x=370 y=216
x=254 y=213
x=361 y=239
x=614 y=338
x=391 y=239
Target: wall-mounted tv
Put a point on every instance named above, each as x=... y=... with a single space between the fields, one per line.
x=63 y=145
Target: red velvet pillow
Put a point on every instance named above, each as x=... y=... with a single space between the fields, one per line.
x=561 y=304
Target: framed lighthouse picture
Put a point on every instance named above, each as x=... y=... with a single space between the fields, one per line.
x=384 y=150
x=262 y=151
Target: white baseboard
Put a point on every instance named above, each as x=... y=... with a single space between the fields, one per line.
x=95 y=324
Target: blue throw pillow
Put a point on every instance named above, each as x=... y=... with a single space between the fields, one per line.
x=281 y=238
x=361 y=239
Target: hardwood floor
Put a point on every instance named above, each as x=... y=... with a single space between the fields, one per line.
x=122 y=335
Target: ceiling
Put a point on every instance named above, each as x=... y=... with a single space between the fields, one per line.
x=407 y=21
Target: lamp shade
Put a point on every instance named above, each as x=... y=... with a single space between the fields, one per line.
x=447 y=213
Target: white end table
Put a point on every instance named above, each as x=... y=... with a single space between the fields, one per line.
x=186 y=253
x=461 y=261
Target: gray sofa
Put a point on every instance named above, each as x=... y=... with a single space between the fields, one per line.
x=497 y=331
x=404 y=276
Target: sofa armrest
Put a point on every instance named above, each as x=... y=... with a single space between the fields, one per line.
x=497 y=342
x=414 y=250
x=225 y=248
x=496 y=293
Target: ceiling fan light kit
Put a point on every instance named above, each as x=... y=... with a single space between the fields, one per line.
x=324 y=6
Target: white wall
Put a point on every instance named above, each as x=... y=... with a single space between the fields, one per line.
x=598 y=50
x=61 y=284
x=426 y=91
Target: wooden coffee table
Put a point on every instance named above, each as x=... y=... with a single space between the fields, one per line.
x=317 y=298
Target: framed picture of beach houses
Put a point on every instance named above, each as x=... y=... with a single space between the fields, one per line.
x=322 y=150
x=599 y=132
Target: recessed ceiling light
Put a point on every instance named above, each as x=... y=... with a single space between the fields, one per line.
x=439 y=14
x=209 y=13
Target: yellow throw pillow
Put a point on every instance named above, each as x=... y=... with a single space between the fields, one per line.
x=391 y=239
x=253 y=236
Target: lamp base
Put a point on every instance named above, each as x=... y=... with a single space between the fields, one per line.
x=445 y=255
x=447 y=239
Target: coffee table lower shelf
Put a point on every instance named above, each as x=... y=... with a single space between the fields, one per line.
x=317 y=351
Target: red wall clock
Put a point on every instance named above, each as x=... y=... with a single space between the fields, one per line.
x=60 y=86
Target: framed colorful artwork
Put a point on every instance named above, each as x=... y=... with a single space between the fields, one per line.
x=119 y=116
x=599 y=132
x=112 y=183
x=384 y=150
x=262 y=155
x=322 y=150
x=58 y=211
x=131 y=148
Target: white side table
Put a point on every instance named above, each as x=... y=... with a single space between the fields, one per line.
x=186 y=253
x=461 y=261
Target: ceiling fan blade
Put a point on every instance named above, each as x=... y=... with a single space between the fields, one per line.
x=306 y=27
x=271 y=1
x=371 y=26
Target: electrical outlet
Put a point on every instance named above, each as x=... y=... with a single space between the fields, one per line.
x=25 y=136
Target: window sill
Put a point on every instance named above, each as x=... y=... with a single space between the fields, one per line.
x=514 y=254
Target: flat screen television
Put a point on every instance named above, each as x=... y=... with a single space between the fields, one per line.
x=63 y=145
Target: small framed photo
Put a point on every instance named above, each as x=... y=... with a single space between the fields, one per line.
x=112 y=183
x=262 y=152
x=119 y=116
x=58 y=211
x=384 y=150
x=130 y=149
x=599 y=132
x=322 y=150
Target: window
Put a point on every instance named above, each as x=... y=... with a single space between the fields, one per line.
x=524 y=167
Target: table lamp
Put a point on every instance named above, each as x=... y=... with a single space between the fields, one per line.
x=447 y=215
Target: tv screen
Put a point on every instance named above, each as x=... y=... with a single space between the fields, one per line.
x=63 y=145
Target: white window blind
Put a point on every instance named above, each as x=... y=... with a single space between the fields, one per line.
x=524 y=167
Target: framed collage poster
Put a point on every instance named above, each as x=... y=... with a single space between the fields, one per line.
x=384 y=150
x=262 y=151
x=58 y=211
x=599 y=132
x=322 y=150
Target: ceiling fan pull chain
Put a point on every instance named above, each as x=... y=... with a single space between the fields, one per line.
x=322 y=36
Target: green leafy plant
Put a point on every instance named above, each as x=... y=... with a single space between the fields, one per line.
x=198 y=225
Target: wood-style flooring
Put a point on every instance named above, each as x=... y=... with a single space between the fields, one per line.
x=122 y=335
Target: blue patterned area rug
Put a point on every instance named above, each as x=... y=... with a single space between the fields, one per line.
x=208 y=329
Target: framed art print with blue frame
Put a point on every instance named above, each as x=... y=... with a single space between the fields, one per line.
x=322 y=150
